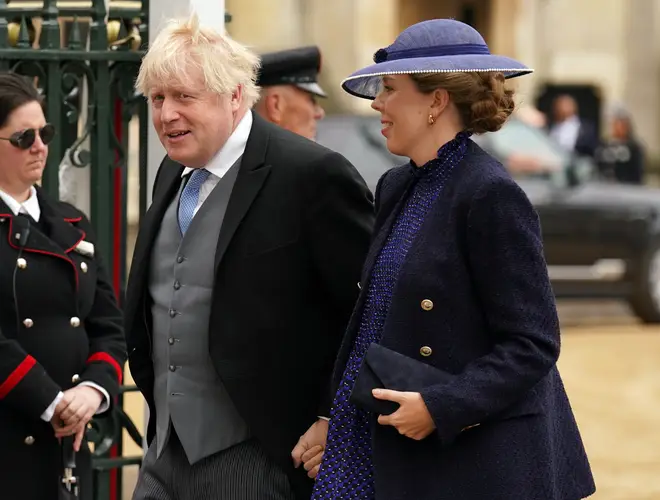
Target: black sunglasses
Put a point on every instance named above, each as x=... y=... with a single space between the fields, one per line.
x=25 y=139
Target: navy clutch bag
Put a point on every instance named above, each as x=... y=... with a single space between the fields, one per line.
x=383 y=368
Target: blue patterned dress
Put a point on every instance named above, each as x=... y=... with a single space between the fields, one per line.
x=347 y=469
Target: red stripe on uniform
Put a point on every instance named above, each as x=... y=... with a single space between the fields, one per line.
x=101 y=356
x=17 y=375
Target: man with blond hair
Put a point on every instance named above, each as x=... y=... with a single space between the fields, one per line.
x=243 y=279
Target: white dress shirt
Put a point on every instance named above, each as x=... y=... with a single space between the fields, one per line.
x=566 y=133
x=31 y=207
x=224 y=159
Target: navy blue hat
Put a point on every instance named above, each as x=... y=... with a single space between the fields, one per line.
x=299 y=67
x=435 y=46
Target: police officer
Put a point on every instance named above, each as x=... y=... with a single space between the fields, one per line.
x=61 y=340
x=290 y=89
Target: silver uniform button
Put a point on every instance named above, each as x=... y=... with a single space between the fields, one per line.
x=21 y=263
x=83 y=267
x=75 y=322
x=27 y=323
x=75 y=378
x=29 y=441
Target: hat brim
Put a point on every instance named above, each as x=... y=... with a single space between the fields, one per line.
x=365 y=83
x=312 y=88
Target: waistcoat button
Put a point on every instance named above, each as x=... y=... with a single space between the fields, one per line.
x=170 y=341
x=21 y=263
x=426 y=351
x=29 y=441
x=179 y=259
x=177 y=285
x=172 y=368
x=27 y=323
x=172 y=313
x=83 y=266
x=427 y=304
x=75 y=322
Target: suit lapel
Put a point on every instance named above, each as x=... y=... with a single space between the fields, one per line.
x=167 y=187
x=251 y=177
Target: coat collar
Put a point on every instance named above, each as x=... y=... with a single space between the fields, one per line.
x=61 y=236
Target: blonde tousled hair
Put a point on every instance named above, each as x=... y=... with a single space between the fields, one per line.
x=183 y=43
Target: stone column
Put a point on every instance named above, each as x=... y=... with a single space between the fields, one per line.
x=267 y=25
x=642 y=75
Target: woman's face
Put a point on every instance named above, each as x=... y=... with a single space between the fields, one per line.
x=21 y=168
x=404 y=114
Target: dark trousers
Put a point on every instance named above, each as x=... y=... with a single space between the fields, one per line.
x=242 y=472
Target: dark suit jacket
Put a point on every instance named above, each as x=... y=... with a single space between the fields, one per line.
x=288 y=260
x=492 y=326
x=69 y=330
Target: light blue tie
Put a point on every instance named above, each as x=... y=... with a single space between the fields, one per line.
x=189 y=197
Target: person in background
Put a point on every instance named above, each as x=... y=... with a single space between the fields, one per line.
x=290 y=90
x=62 y=346
x=456 y=326
x=621 y=158
x=572 y=133
x=243 y=280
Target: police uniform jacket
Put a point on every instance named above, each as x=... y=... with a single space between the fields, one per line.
x=59 y=326
x=473 y=299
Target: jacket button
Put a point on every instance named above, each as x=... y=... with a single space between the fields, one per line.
x=426 y=351
x=179 y=259
x=170 y=341
x=29 y=441
x=83 y=267
x=27 y=323
x=427 y=304
x=75 y=378
x=21 y=263
x=359 y=286
x=75 y=322
x=172 y=368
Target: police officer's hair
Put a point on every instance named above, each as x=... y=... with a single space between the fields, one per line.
x=15 y=91
x=225 y=63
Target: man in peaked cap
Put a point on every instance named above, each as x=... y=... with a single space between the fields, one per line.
x=289 y=81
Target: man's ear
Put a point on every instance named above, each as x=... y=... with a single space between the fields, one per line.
x=274 y=105
x=237 y=98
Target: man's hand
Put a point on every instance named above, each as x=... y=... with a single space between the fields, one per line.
x=310 y=447
x=412 y=419
x=76 y=409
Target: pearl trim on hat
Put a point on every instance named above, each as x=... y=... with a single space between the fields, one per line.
x=408 y=72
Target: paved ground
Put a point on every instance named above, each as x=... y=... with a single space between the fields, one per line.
x=611 y=368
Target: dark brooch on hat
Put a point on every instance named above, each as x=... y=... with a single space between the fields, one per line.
x=380 y=56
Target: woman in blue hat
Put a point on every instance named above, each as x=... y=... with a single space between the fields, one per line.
x=456 y=329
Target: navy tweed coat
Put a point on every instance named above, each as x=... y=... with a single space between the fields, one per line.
x=474 y=300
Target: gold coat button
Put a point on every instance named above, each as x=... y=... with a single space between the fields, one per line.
x=75 y=322
x=426 y=351
x=83 y=267
x=427 y=304
x=21 y=263
x=27 y=323
x=29 y=441
x=75 y=378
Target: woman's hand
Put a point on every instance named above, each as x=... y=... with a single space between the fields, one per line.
x=412 y=419
x=72 y=419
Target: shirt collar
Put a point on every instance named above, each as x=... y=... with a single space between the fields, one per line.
x=29 y=206
x=232 y=150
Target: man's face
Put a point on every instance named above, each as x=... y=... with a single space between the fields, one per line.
x=193 y=123
x=293 y=108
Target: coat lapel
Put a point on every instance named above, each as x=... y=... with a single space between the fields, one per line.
x=387 y=213
x=251 y=177
x=167 y=187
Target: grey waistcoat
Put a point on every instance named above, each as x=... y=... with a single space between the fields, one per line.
x=187 y=390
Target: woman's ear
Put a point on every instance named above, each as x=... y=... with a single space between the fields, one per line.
x=440 y=101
